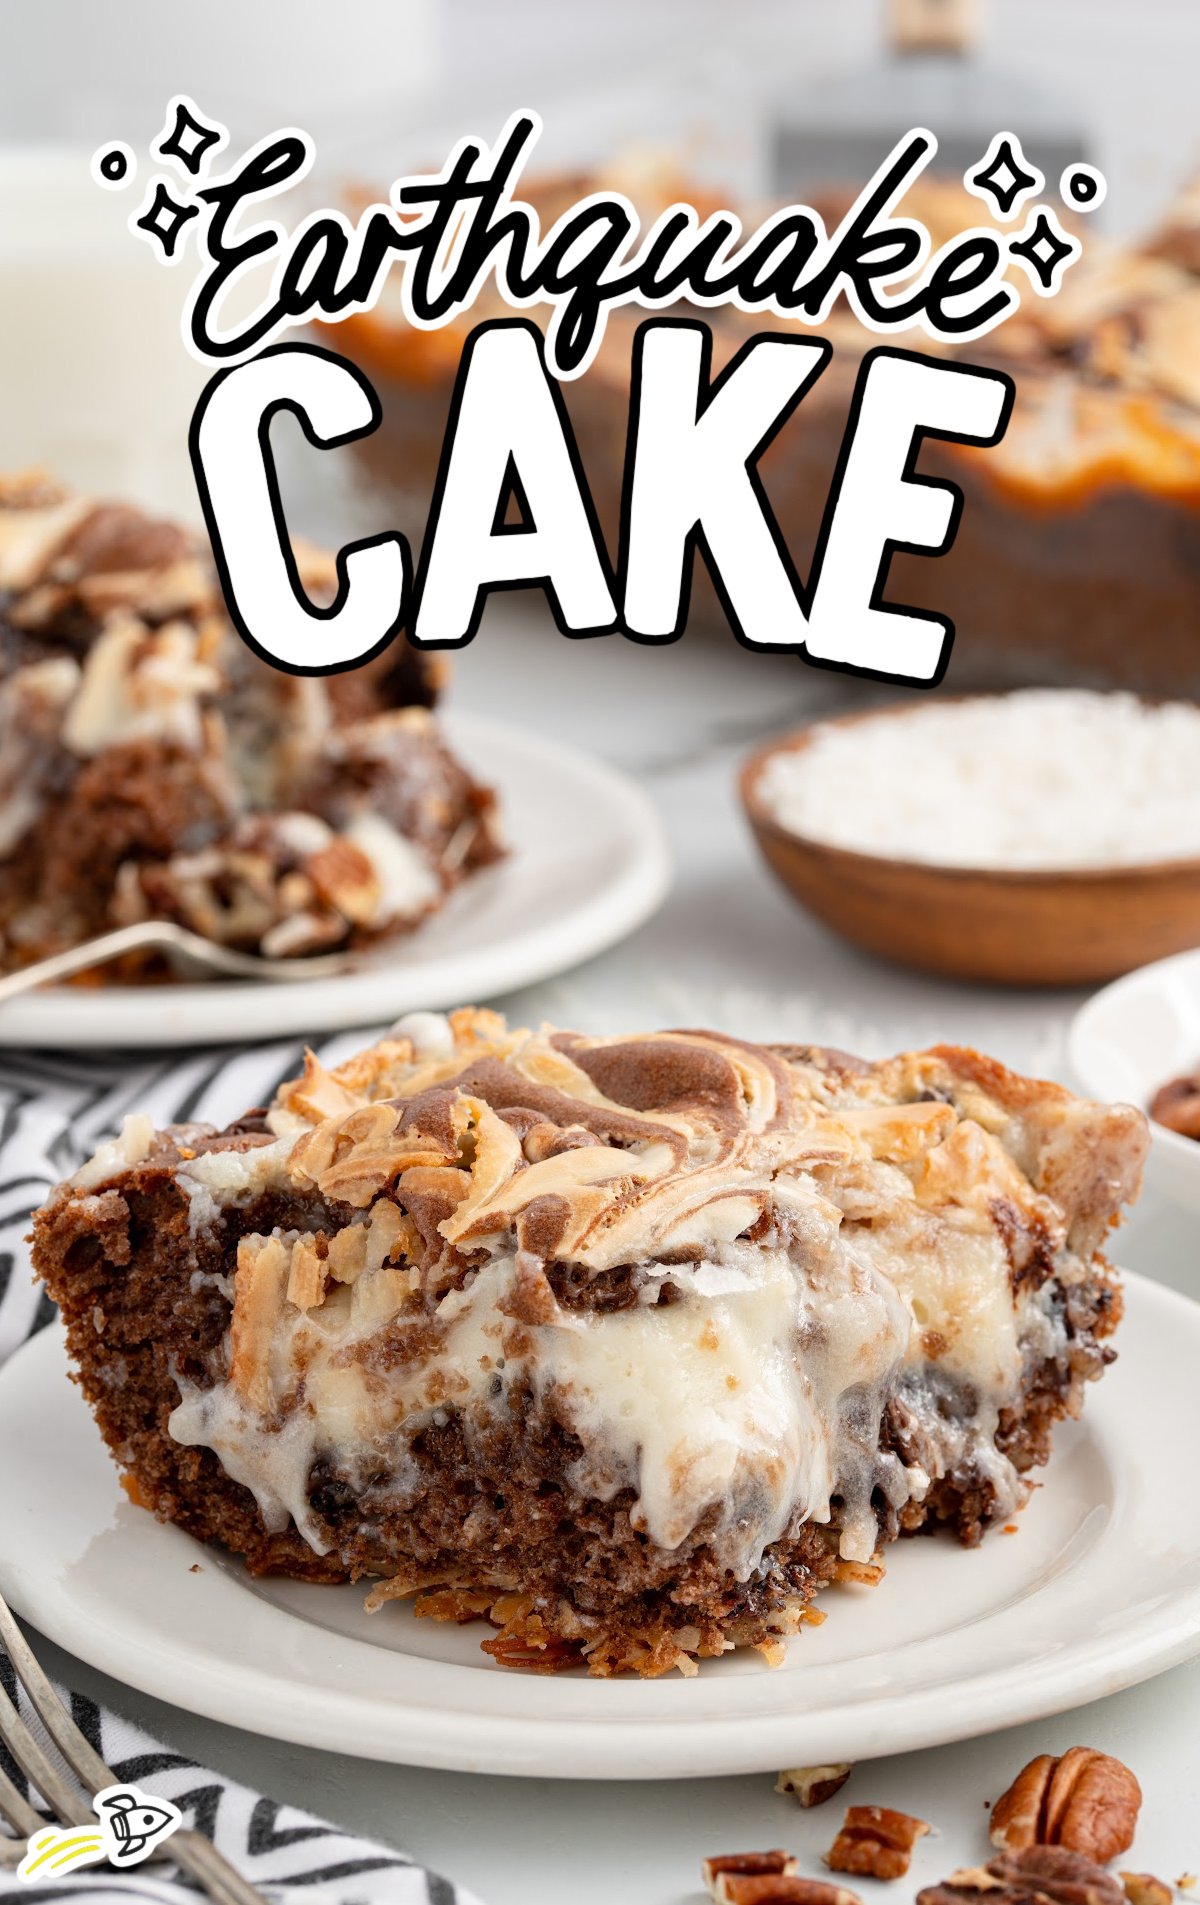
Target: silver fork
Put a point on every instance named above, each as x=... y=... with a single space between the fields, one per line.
x=187 y=950
x=193 y=1853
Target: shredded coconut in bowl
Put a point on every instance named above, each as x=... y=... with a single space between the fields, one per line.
x=1044 y=779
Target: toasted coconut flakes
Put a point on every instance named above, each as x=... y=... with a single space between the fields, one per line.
x=865 y=1573
x=347 y=1257
x=306 y=1277
x=260 y=1283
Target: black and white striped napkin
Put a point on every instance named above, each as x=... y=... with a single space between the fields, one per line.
x=54 y=1111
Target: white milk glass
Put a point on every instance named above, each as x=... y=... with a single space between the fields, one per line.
x=96 y=383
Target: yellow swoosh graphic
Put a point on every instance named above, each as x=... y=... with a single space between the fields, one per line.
x=58 y=1850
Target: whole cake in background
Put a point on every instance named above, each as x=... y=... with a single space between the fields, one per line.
x=152 y=767
x=1076 y=556
x=628 y=1346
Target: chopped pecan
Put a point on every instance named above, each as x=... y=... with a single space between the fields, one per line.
x=745 y=1865
x=813 y=1785
x=969 y=1882
x=783 y=1888
x=876 y=1842
x=1142 y=1888
x=1177 y=1105
x=1086 y=1801
x=1038 y=1875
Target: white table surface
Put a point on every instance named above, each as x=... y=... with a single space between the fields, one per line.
x=727 y=948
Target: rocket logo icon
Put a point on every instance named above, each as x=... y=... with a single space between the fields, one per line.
x=131 y=1826
x=135 y=1824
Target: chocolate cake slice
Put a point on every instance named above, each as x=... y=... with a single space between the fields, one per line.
x=629 y=1345
x=152 y=767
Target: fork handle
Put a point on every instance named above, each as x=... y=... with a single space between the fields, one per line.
x=211 y=1869
x=141 y=935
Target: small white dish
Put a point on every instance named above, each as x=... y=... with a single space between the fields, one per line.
x=1100 y=1588
x=1132 y=1037
x=587 y=863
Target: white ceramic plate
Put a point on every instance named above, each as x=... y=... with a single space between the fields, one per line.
x=1100 y=1588
x=588 y=863
x=1134 y=1036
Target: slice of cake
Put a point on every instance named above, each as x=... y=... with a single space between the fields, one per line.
x=152 y=767
x=630 y=1345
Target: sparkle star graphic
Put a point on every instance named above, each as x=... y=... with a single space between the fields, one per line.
x=188 y=137
x=1002 y=178
x=1044 y=251
x=162 y=218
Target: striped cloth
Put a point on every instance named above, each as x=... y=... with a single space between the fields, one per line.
x=54 y=1111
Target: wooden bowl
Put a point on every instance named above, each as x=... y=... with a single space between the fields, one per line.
x=1060 y=928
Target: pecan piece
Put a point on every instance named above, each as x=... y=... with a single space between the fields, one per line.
x=1086 y=1801
x=813 y=1785
x=967 y=1884
x=1177 y=1105
x=875 y=1842
x=1056 y=1872
x=784 y=1888
x=1142 y=1888
x=1038 y=1875
x=737 y=1865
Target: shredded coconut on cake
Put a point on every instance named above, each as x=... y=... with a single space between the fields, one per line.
x=1042 y=779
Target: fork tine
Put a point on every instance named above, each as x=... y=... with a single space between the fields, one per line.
x=83 y=1760
x=68 y=1804
x=190 y=1850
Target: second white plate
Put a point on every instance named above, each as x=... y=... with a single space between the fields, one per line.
x=587 y=863
x=1136 y=1035
x=1099 y=1588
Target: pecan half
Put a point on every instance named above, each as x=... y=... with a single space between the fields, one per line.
x=1086 y=1801
x=876 y=1842
x=812 y=1785
x=1038 y=1875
